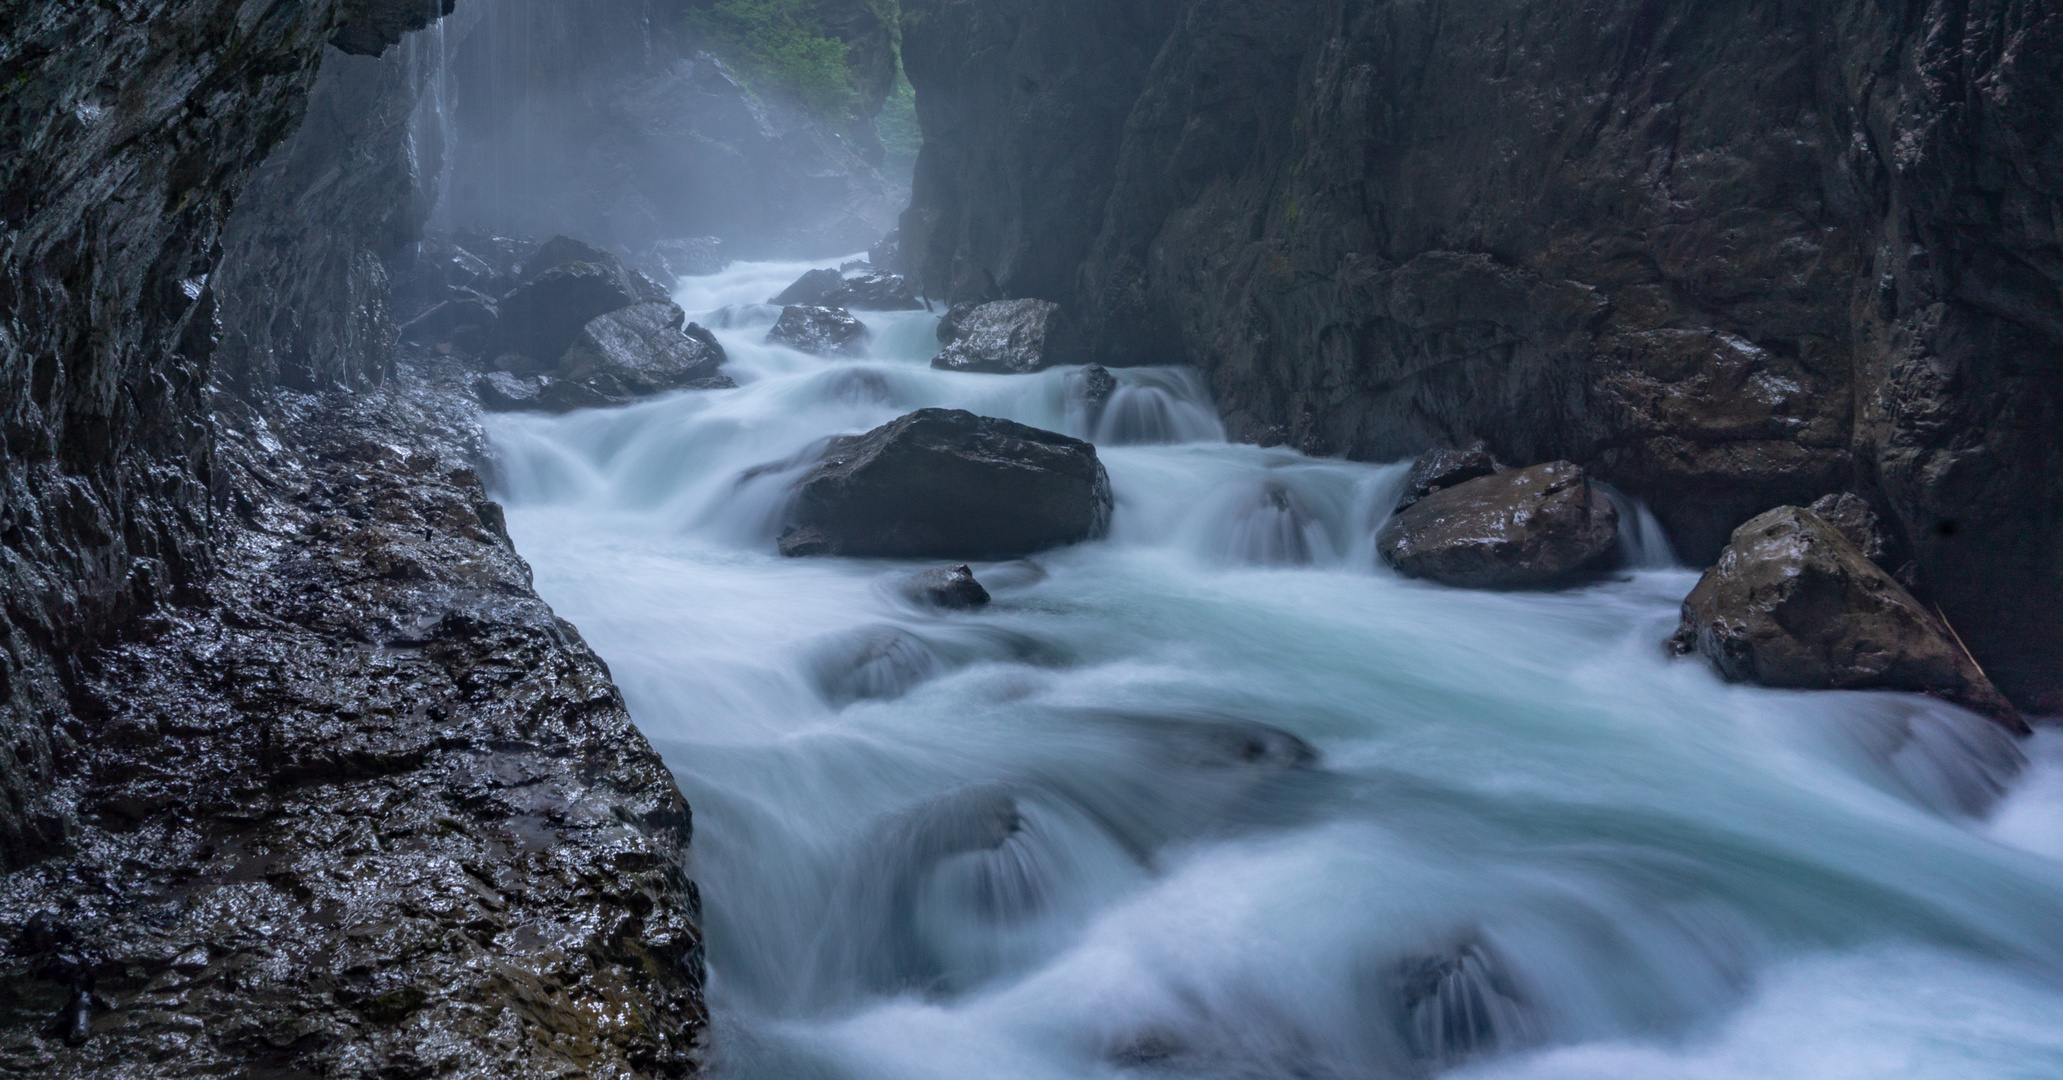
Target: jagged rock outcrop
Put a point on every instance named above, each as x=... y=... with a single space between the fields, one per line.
x=304 y=779
x=1518 y=529
x=1727 y=254
x=1006 y=337
x=945 y=483
x=1794 y=603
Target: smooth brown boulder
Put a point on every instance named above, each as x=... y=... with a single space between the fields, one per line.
x=1794 y=603
x=1521 y=529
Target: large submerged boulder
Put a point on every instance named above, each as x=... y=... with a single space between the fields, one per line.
x=824 y=331
x=1793 y=602
x=1007 y=337
x=1520 y=529
x=945 y=483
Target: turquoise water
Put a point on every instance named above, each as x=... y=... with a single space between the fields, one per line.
x=1221 y=797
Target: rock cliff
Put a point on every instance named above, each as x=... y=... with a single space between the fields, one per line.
x=299 y=776
x=1728 y=254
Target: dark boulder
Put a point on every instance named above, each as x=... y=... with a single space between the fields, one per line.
x=565 y=284
x=1007 y=337
x=945 y=483
x=564 y=250
x=824 y=331
x=870 y=289
x=1520 y=529
x=464 y=326
x=811 y=289
x=542 y=316
x=856 y=287
x=643 y=350
x=1445 y=467
x=953 y=588
x=617 y=358
x=1792 y=602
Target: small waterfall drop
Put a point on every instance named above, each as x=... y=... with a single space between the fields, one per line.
x=1218 y=797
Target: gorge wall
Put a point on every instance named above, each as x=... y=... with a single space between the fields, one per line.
x=297 y=774
x=1729 y=253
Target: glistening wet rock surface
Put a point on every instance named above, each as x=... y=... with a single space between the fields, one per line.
x=366 y=808
x=1794 y=602
x=304 y=779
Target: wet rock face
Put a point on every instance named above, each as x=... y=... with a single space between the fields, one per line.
x=401 y=807
x=115 y=188
x=1376 y=225
x=824 y=331
x=1007 y=337
x=1793 y=603
x=303 y=778
x=1520 y=529
x=945 y=483
x=1443 y=467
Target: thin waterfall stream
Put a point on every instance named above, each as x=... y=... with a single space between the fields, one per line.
x=1221 y=796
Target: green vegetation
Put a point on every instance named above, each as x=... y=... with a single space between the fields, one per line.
x=781 y=42
x=897 y=123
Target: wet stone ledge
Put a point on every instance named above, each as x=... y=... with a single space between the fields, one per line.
x=368 y=810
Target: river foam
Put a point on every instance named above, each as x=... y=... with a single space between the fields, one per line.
x=1222 y=797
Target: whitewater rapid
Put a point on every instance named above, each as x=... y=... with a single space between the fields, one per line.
x=1221 y=797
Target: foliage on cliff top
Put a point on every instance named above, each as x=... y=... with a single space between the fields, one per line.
x=781 y=42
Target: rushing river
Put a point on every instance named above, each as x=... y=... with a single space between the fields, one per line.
x=1221 y=797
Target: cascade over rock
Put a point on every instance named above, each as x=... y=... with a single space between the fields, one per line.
x=1519 y=529
x=1793 y=602
x=946 y=483
x=1726 y=254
